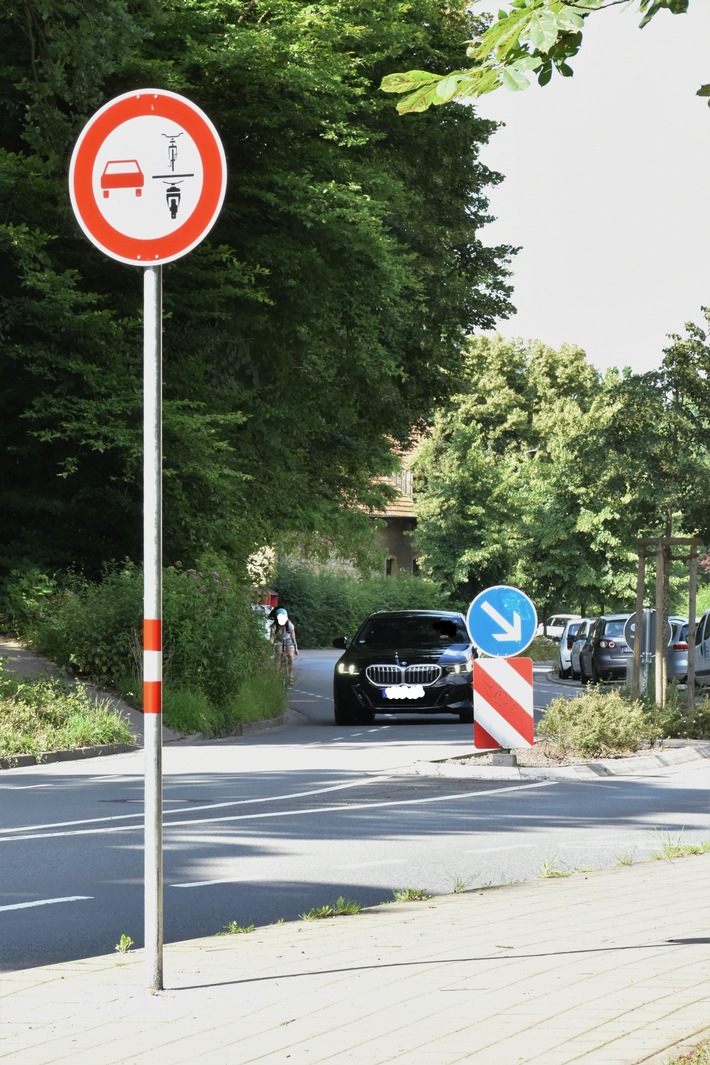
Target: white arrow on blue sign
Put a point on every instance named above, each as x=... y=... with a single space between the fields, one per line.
x=501 y=621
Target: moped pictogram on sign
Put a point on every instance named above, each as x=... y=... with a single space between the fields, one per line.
x=147 y=177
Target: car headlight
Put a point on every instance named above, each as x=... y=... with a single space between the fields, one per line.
x=461 y=667
x=349 y=668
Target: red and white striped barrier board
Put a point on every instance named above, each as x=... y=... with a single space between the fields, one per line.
x=503 y=703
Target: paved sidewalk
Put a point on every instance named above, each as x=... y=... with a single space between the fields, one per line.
x=610 y=967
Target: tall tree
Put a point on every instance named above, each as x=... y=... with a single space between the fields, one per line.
x=542 y=474
x=319 y=322
x=492 y=501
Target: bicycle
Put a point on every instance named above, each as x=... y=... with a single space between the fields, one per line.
x=284 y=666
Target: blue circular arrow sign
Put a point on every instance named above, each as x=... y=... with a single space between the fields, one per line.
x=501 y=621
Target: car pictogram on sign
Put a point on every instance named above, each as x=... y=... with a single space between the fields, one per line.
x=122 y=174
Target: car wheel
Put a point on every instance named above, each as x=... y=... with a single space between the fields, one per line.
x=466 y=716
x=344 y=715
x=575 y=676
x=563 y=674
x=584 y=679
x=596 y=679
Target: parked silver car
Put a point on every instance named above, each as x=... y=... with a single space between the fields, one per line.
x=564 y=649
x=580 y=639
x=677 y=654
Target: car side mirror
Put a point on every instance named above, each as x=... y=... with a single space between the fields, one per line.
x=341 y=643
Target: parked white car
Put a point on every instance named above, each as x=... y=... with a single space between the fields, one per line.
x=564 y=648
x=553 y=628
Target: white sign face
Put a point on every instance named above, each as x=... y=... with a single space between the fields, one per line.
x=147 y=177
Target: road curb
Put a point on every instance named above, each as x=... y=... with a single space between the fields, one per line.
x=639 y=765
x=76 y=754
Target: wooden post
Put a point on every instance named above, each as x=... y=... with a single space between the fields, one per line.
x=692 y=607
x=640 y=586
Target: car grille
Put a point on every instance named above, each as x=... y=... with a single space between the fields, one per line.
x=387 y=674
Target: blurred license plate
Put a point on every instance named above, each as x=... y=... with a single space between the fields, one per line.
x=403 y=691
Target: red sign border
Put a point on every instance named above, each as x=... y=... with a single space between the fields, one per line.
x=137 y=104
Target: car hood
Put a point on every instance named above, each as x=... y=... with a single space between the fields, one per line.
x=404 y=656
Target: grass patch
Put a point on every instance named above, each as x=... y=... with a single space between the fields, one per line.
x=44 y=714
x=412 y=895
x=673 y=847
x=260 y=697
x=236 y=929
x=551 y=870
x=340 y=908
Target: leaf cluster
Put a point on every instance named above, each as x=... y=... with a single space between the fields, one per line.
x=533 y=37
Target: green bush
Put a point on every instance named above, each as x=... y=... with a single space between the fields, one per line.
x=597 y=724
x=213 y=646
x=675 y=720
x=324 y=604
x=24 y=597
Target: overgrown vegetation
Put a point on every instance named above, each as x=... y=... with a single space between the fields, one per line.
x=604 y=723
x=597 y=724
x=45 y=714
x=328 y=603
x=218 y=672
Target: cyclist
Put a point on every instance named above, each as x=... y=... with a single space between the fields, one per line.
x=283 y=637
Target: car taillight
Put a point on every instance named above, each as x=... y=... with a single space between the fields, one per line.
x=679 y=647
x=607 y=643
x=570 y=641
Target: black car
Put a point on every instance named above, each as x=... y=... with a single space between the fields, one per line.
x=405 y=662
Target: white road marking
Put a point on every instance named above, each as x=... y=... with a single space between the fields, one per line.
x=204 y=883
x=372 y=865
x=193 y=822
x=46 y=902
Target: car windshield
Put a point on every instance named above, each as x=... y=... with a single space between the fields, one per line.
x=411 y=632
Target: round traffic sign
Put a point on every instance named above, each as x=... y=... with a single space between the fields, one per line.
x=147 y=177
x=501 y=621
x=648 y=630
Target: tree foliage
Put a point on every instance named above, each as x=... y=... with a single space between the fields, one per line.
x=535 y=37
x=544 y=474
x=316 y=325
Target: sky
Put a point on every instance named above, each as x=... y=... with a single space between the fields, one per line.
x=607 y=189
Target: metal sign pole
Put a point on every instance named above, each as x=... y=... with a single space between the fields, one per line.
x=152 y=622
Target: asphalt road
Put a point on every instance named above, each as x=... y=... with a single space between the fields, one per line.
x=264 y=827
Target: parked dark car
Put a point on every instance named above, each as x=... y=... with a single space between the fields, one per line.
x=405 y=662
x=605 y=652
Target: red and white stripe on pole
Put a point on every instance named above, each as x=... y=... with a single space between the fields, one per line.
x=152 y=666
x=503 y=703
